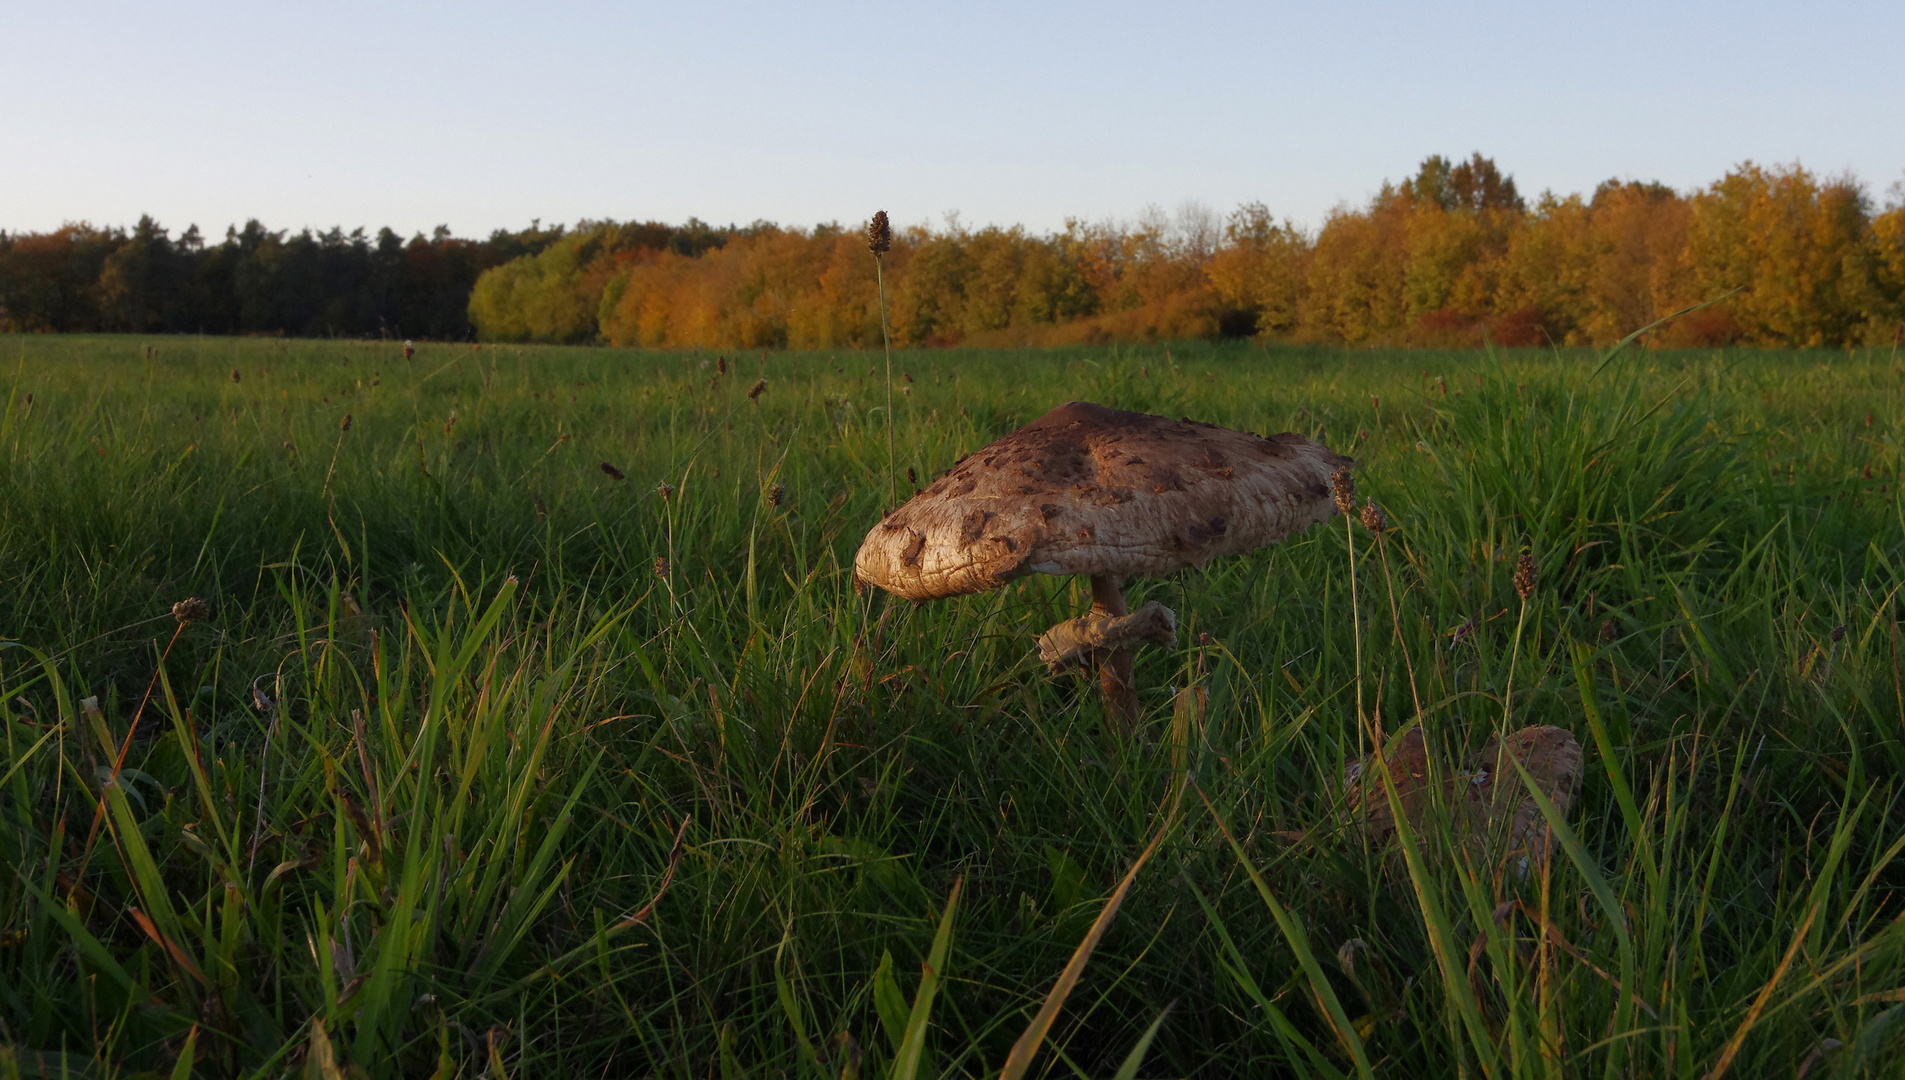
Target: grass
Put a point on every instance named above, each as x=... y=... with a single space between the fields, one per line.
x=487 y=763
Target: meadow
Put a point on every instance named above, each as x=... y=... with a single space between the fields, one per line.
x=533 y=725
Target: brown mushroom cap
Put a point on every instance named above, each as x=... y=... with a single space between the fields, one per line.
x=1089 y=490
x=1487 y=797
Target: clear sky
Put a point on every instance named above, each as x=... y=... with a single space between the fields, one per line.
x=481 y=115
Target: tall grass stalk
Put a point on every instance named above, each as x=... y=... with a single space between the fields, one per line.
x=880 y=241
x=1514 y=658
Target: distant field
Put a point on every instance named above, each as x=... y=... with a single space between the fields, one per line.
x=466 y=704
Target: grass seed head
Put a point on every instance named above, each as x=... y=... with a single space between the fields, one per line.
x=191 y=610
x=612 y=472
x=754 y=392
x=408 y=351
x=1608 y=630
x=234 y=374
x=879 y=234
x=1344 y=486
x=661 y=568
x=1838 y=634
x=1373 y=518
x=1527 y=578
x=776 y=494
x=665 y=491
x=720 y=365
x=344 y=424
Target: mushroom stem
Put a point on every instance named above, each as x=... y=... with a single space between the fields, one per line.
x=1114 y=669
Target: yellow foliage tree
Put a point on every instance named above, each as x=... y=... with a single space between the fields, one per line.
x=1356 y=287
x=1257 y=276
x=550 y=296
x=1784 y=238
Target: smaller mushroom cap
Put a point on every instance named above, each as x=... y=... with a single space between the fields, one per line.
x=1486 y=797
x=1087 y=489
x=1552 y=757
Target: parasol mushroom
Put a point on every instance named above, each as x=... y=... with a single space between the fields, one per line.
x=1486 y=796
x=1087 y=489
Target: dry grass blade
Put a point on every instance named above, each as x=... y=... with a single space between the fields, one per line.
x=640 y=915
x=178 y=954
x=1818 y=1056
x=1020 y=1059
x=1725 y=1060
x=667 y=878
x=320 y=1059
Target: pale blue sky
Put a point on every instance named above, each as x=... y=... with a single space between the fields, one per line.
x=479 y=115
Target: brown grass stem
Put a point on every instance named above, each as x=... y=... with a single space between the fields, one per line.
x=886 y=338
x=119 y=761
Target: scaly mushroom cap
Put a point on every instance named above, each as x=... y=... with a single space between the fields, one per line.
x=1089 y=490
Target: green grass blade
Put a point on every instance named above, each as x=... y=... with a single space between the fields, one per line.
x=182 y=1069
x=889 y=1002
x=1299 y=942
x=1023 y=1050
x=1604 y=896
x=1133 y=1061
x=1236 y=964
x=913 y=1045
x=789 y=1005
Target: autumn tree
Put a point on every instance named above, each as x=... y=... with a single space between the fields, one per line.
x=1784 y=239
x=1876 y=274
x=1257 y=273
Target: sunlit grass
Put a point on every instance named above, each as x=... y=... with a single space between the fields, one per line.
x=489 y=760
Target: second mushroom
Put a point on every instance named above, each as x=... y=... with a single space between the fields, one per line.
x=1087 y=489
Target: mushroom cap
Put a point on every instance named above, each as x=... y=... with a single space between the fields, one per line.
x=1486 y=796
x=1086 y=489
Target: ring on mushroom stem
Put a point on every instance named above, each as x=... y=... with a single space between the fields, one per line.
x=1111 y=494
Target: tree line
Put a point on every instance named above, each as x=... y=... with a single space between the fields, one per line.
x=1452 y=255
x=80 y=278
